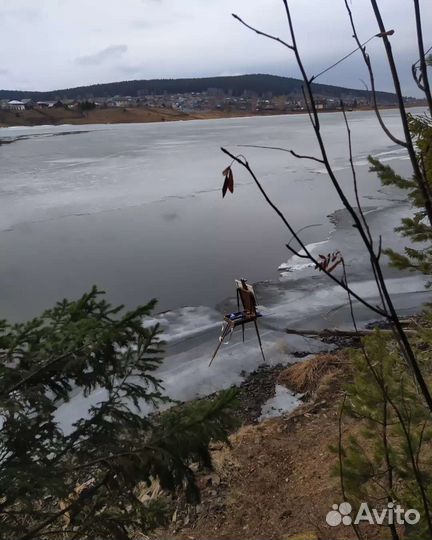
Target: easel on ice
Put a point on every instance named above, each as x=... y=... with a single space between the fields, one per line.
x=246 y=295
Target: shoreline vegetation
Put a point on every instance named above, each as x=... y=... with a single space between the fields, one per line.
x=118 y=115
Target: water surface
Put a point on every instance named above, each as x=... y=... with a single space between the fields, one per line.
x=137 y=209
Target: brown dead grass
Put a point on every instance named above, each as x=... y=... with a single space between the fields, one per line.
x=306 y=377
x=36 y=117
x=98 y=116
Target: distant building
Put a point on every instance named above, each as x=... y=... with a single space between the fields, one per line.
x=50 y=104
x=15 y=105
x=57 y=104
x=28 y=103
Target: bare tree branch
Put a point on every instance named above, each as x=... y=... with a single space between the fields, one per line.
x=421 y=181
x=260 y=33
x=368 y=63
x=299 y=156
x=359 y=46
x=423 y=67
x=354 y=175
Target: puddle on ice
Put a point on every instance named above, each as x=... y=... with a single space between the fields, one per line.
x=283 y=402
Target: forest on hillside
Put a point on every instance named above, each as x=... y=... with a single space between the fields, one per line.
x=237 y=85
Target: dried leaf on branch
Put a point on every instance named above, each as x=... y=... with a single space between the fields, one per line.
x=330 y=261
x=229 y=181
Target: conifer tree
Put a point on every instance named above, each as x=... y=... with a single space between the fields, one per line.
x=417 y=228
x=388 y=460
x=87 y=481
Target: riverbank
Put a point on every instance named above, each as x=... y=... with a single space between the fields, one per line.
x=278 y=477
x=59 y=116
x=141 y=115
x=275 y=480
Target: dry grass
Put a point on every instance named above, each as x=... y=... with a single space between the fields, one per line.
x=312 y=376
x=119 y=115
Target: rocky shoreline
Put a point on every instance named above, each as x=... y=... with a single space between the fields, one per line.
x=259 y=386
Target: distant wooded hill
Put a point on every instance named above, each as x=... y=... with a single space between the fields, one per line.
x=261 y=84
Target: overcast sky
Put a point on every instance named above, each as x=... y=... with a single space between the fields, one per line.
x=53 y=44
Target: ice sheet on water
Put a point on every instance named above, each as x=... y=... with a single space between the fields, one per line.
x=185 y=372
x=296 y=263
x=314 y=302
x=186 y=322
x=344 y=238
x=78 y=407
x=395 y=151
x=192 y=335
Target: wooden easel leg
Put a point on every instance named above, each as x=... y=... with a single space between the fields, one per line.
x=223 y=335
x=215 y=353
x=259 y=339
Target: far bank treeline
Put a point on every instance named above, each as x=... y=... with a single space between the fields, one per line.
x=237 y=85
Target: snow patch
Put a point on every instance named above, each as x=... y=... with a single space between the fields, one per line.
x=283 y=402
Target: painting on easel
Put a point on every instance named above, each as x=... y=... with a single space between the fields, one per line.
x=245 y=296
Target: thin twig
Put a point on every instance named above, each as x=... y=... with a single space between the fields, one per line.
x=354 y=175
x=422 y=59
x=421 y=181
x=340 y=455
x=308 y=109
x=368 y=63
x=360 y=46
x=299 y=156
x=259 y=32
x=298 y=231
x=391 y=526
x=417 y=78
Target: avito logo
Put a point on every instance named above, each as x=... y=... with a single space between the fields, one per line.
x=342 y=514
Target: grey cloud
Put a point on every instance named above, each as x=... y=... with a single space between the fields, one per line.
x=4 y=71
x=109 y=53
x=169 y=38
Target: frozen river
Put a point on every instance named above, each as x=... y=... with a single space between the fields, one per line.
x=137 y=209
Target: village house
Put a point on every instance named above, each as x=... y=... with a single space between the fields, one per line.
x=49 y=104
x=15 y=105
x=28 y=103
